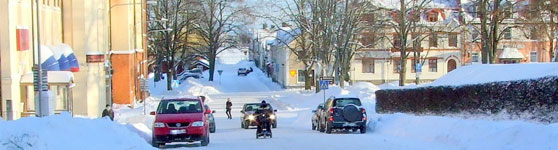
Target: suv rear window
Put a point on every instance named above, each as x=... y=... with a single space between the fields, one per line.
x=179 y=107
x=342 y=102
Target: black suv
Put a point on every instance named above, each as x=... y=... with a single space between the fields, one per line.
x=342 y=113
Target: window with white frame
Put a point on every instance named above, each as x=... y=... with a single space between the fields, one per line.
x=368 y=65
x=534 y=56
x=301 y=77
x=475 y=57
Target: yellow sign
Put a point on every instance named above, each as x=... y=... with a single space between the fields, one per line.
x=293 y=73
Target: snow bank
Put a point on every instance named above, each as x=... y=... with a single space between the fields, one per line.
x=64 y=132
x=477 y=74
x=470 y=134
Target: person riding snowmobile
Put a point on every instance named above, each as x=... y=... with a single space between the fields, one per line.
x=262 y=117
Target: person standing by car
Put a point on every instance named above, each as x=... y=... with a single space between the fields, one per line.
x=228 y=108
x=108 y=112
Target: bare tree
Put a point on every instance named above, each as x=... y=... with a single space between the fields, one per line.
x=541 y=22
x=171 y=25
x=214 y=28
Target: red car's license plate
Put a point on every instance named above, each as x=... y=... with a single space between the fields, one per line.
x=181 y=131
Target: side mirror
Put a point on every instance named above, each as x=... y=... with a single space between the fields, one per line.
x=214 y=111
x=313 y=111
x=152 y=113
x=242 y=111
x=275 y=110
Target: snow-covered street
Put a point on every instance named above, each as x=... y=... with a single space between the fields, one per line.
x=132 y=128
x=385 y=131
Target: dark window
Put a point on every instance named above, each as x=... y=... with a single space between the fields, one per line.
x=534 y=56
x=301 y=77
x=534 y=35
x=433 y=40
x=367 y=39
x=433 y=65
x=367 y=65
x=414 y=66
x=452 y=39
x=346 y=101
x=396 y=65
x=396 y=41
x=432 y=16
x=507 y=34
x=179 y=106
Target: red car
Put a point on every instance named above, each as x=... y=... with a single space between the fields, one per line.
x=180 y=120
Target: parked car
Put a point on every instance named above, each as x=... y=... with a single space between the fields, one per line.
x=180 y=120
x=248 y=119
x=211 y=119
x=343 y=113
x=317 y=115
x=242 y=71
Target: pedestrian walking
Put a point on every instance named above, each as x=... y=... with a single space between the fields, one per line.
x=228 y=108
x=108 y=112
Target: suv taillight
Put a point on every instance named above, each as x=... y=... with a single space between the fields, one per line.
x=363 y=110
x=331 y=110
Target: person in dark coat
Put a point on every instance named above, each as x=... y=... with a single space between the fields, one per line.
x=108 y=112
x=262 y=117
x=228 y=108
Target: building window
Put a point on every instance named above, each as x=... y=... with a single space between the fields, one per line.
x=433 y=40
x=413 y=66
x=433 y=65
x=432 y=16
x=534 y=56
x=301 y=77
x=507 y=34
x=475 y=57
x=368 y=65
x=534 y=35
x=452 y=39
x=475 y=35
x=367 y=39
x=396 y=41
x=396 y=65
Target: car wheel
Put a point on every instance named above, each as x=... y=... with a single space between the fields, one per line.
x=212 y=130
x=321 y=127
x=155 y=143
x=328 y=128
x=313 y=126
x=205 y=141
x=274 y=124
x=363 y=129
x=246 y=125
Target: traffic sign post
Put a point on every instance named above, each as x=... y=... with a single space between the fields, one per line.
x=324 y=85
x=220 y=72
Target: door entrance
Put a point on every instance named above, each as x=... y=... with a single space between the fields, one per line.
x=452 y=65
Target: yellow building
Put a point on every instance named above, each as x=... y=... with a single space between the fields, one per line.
x=81 y=26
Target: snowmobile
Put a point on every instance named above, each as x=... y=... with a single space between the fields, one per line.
x=264 y=126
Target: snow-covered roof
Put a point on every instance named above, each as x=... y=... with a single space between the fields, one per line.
x=395 y=4
x=63 y=77
x=511 y=53
x=286 y=35
x=476 y=74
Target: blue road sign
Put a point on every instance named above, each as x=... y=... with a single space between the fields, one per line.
x=324 y=84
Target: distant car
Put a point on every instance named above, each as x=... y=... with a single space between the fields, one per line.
x=194 y=73
x=248 y=119
x=185 y=124
x=317 y=115
x=211 y=119
x=242 y=71
x=343 y=113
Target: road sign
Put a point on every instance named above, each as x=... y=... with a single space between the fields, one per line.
x=220 y=72
x=329 y=79
x=324 y=84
